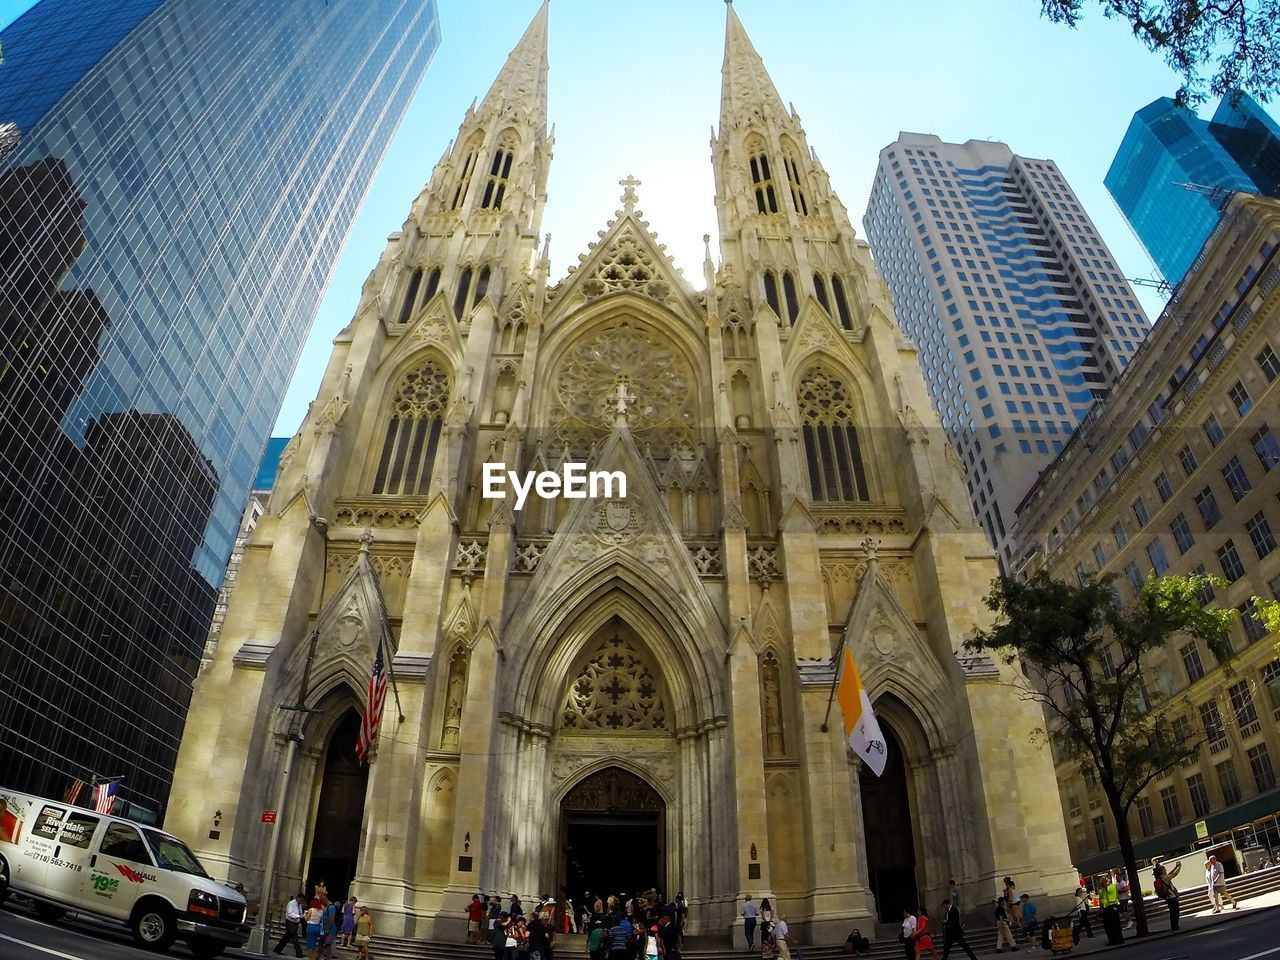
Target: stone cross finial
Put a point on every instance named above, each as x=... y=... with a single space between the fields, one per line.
x=624 y=397
x=629 y=197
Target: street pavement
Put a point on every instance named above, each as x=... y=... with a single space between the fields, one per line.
x=1246 y=934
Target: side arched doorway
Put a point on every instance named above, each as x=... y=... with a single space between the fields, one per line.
x=612 y=829
x=887 y=832
x=335 y=843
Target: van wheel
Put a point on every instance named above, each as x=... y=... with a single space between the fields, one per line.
x=207 y=949
x=49 y=913
x=153 y=925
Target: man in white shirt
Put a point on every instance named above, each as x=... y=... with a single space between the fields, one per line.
x=292 y=924
x=782 y=937
x=750 y=911
x=908 y=934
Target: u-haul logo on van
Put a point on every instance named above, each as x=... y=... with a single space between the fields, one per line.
x=133 y=876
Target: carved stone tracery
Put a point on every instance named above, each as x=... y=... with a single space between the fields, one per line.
x=613 y=790
x=616 y=689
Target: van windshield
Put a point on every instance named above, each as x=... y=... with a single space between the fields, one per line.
x=172 y=854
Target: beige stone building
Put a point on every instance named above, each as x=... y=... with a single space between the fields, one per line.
x=1176 y=473
x=611 y=692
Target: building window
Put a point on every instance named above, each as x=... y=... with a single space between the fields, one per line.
x=1206 y=594
x=1240 y=398
x=1236 y=479
x=1191 y=662
x=771 y=293
x=1269 y=363
x=1213 y=430
x=1264 y=777
x=1146 y=822
x=1228 y=783
x=842 y=305
x=1156 y=554
x=1099 y=555
x=1260 y=534
x=1271 y=680
x=413 y=433
x=1163 y=487
x=1100 y=832
x=1122 y=538
x=1229 y=559
x=1134 y=576
x=433 y=284
x=460 y=294
x=820 y=291
x=1172 y=812
x=1242 y=704
x=482 y=286
x=1199 y=795
x=1214 y=730
x=468 y=167
x=797 y=186
x=1073 y=805
x=1187 y=460
x=410 y=296
x=1140 y=512
x=1108 y=664
x=1266 y=447
x=1207 y=504
x=495 y=187
x=1181 y=531
x=762 y=182
x=1254 y=629
x=789 y=294
x=831 y=443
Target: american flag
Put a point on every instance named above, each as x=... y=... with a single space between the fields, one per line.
x=73 y=791
x=372 y=718
x=104 y=795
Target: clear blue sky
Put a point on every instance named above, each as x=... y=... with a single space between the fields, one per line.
x=634 y=89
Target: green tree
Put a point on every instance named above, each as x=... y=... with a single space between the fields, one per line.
x=1082 y=656
x=1225 y=46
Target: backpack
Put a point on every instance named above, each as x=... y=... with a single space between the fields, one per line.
x=1159 y=887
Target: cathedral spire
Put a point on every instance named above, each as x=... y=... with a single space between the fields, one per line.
x=746 y=91
x=521 y=84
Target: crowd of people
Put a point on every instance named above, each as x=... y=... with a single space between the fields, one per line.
x=622 y=927
x=323 y=925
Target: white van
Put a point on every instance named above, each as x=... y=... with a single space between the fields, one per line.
x=69 y=859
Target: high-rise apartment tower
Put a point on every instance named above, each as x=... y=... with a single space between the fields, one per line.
x=1020 y=314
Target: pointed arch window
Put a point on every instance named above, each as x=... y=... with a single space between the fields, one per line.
x=464 y=180
x=771 y=292
x=842 y=305
x=411 y=296
x=460 y=295
x=789 y=292
x=495 y=187
x=820 y=291
x=796 y=184
x=433 y=284
x=482 y=286
x=762 y=181
x=832 y=452
x=413 y=433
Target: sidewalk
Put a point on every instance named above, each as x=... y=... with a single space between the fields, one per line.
x=1187 y=923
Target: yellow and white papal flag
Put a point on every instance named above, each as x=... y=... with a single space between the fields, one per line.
x=860 y=724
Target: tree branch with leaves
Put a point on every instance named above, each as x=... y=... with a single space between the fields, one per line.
x=1082 y=656
x=1218 y=47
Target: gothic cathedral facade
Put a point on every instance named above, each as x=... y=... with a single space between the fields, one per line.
x=619 y=692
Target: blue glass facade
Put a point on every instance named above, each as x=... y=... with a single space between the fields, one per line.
x=186 y=177
x=1167 y=145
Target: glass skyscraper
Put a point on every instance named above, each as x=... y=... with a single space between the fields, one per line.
x=1174 y=170
x=1017 y=307
x=185 y=178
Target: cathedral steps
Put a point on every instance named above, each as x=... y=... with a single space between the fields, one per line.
x=980 y=936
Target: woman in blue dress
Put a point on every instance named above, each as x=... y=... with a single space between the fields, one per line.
x=315 y=928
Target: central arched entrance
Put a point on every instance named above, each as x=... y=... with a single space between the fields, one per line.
x=887 y=833
x=340 y=814
x=613 y=836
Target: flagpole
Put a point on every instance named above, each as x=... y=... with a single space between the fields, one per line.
x=835 y=675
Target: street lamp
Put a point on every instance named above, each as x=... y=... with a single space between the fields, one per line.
x=260 y=936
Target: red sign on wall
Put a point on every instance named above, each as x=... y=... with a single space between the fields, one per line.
x=268 y=816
